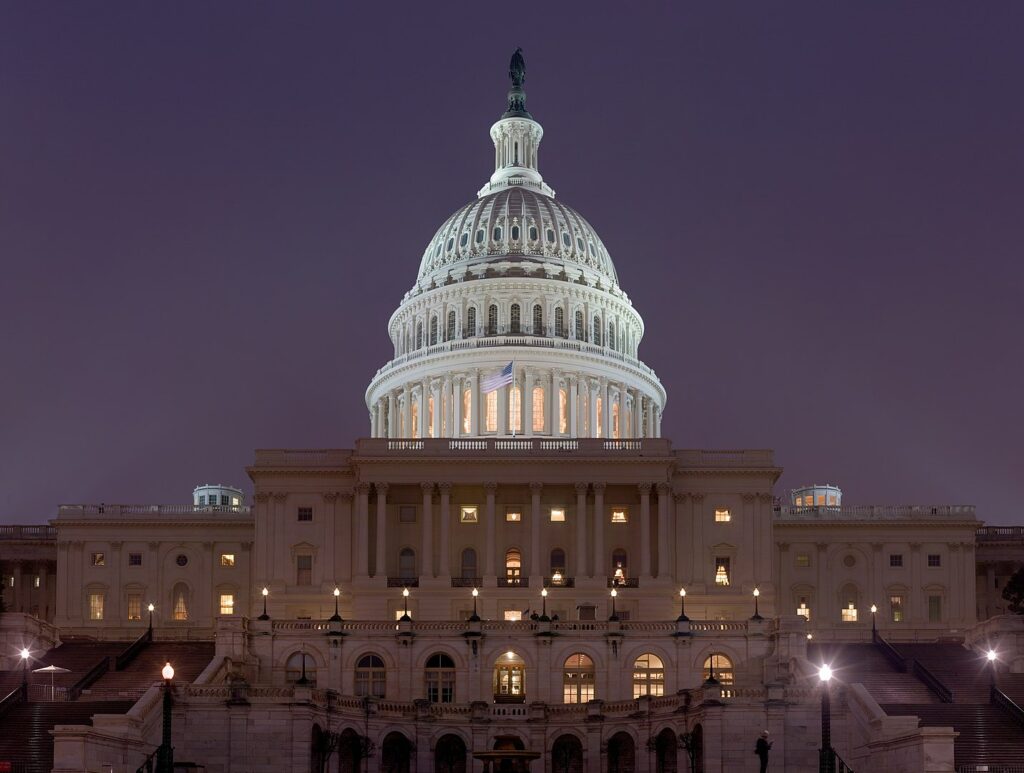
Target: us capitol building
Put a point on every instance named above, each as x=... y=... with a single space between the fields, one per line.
x=514 y=570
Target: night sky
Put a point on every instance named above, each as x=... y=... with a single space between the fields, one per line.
x=208 y=212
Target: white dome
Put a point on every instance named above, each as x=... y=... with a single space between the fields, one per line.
x=515 y=222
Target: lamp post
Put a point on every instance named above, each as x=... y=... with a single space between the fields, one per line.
x=544 y=606
x=475 y=618
x=682 y=606
x=25 y=655
x=165 y=754
x=336 y=617
x=711 y=671
x=757 y=614
x=991 y=657
x=264 y=616
x=151 y=607
x=874 y=629
x=405 y=605
x=826 y=757
x=614 y=616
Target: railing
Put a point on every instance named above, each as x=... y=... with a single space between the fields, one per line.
x=513 y=582
x=13 y=698
x=28 y=532
x=987 y=767
x=562 y=582
x=403 y=582
x=1006 y=703
x=467 y=582
x=149 y=765
x=998 y=533
x=152 y=511
x=890 y=652
x=747 y=457
x=133 y=649
x=477 y=446
x=838 y=765
x=874 y=512
x=623 y=582
x=942 y=692
x=91 y=676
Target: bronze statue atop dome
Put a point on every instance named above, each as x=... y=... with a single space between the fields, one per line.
x=516 y=95
x=517 y=69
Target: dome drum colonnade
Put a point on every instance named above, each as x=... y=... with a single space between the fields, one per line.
x=519 y=277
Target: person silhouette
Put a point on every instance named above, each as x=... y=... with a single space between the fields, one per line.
x=762 y=748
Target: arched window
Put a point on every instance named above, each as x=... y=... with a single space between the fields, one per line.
x=497 y=233
x=581 y=331
x=538 y=320
x=450 y=331
x=722 y=667
x=534 y=234
x=567 y=755
x=407 y=563
x=563 y=411
x=293 y=669
x=469 y=565
x=515 y=233
x=513 y=566
x=597 y=331
x=560 y=322
x=179 y=602
x=433 y=330
x=514 y=323
x=509 y=679
x=415 y=411
x=538 y=409
x=558 y=567
x=492 y=320
x=648 y=675
x=467 y=404
x=515 y=409
x=419 y=335
x=578 y=679
x=599 y=429
x=470 y=322
x=370 y=676
x=611 y=335
x=491 y=411
x=615 y=421
x=440 y=672
x=620 y=565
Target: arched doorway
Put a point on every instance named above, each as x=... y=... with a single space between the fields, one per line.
x=567 y=755
x=450 y=755
x=510 y=679
x=350 y=752
x=318 y=752
x=666 y=750
x=396 y=754
x=621 y=753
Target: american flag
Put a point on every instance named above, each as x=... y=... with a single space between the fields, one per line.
x=497 y=380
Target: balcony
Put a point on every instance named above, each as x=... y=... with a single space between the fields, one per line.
x=28 y=532
x=467 y=582
x=403 y=582
x=513 y=582
x=560 y=582
x=623 y=582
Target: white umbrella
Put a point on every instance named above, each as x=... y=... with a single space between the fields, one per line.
x=51 y=670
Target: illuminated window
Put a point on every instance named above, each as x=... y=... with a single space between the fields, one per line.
x=407 y=513
x=491 y=409
x=440 y=676
x=468 y=514
x=803 y=560
x=98 y=559
x=227 y=603
x=513 y=566
x=96 y=606
x=513 y=615
x=935 y=609
x=563 y=411
x=305 y=514
x=722 y=570
x=134 y=606
x=832 y=500
x=538 y=409
x=895 y=559
x=821 y=500
x=235 y=501
x=620 y=565
x=557 y=566
x=615 y=421
x=415 y=420
x=513 y=516
x=896 y=608
x=849 y=613
x=179 y=602
x=298 y=664
x=467 y=402
x=557 y=514
x=304 y=570
x=648 y=676
x=720 y=666
x=514 y=321
x=36 y=581
x=430 y=416
x=578 y=679
x=723 y=516
x=370 y=676
x=509 y=678
x=620 y=515
x=803 y=610
x=934 y=559
x=515 y=409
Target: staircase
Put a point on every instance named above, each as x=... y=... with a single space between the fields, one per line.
x=866 y=664
x=25 y=740
x=963 y=671
x=188 y=659
x=78 y=656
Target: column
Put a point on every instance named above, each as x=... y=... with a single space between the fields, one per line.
x=536 y=569
x=914 y=614
x=392 y=416
x=657 y=422
x=407 y=413
x=572 y=384
x=490 y=489
x=592 y=405
x=665 y=558
x=503 y=395
x=374 y=411
x=427 y=561
x=554 y=415
x=679 y=516
x=330 y=529
x=435 y=394
x=581 y=529
x=645 y=529
x=423 y=414
x=382 y=511
x=445 y=569
x=475 y=407
x=599 y=527
x=362 y=530
x=638 y=430
x=622 y=410
x=456 y=428
x=606 y=409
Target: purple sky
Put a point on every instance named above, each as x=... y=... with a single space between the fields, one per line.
x=209 y=211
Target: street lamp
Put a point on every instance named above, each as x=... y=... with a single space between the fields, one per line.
x=874 y=630
x=264 y=616
x=25 y=655
x=151 y=607
x=682 y=606
x=336 y=617
x=475 y=618
x=544 y=606
x=405 y=603
x=826 y=757
x=165 y=754
x=757 y=614
x=614 y=616
x=991 y=656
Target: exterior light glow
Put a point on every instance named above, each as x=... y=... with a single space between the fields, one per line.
x=544 y=592
x=682 y=591
x=810 y=636
x=756 y=593
x=25 y=654
x=825 y=673
x=266 y=592
x=991 y=655
x=873 y=609
x=510 y=654
x=614 y=593
x=475 y=593
x=405 y=592
x=337 y=592
x=151 y=607
x=167 y=672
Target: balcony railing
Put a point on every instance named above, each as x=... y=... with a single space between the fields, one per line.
x=561 y=582
x=28 y=532
x=999 y=533
x=403 y=582
x=874 y=512
x=467 y=582
x=513 y=582
x=623 y=582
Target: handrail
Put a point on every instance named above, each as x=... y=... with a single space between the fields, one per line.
x=133 y=649
x=897 y=660
x=1007 y=704
x=91 y=676
x=13 y=698
x=838 y=765
x=942 y=692
x=149 y=764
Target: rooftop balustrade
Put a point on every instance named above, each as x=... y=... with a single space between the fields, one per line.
x=142 y=512
x=28 y=532
x=875 y=512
